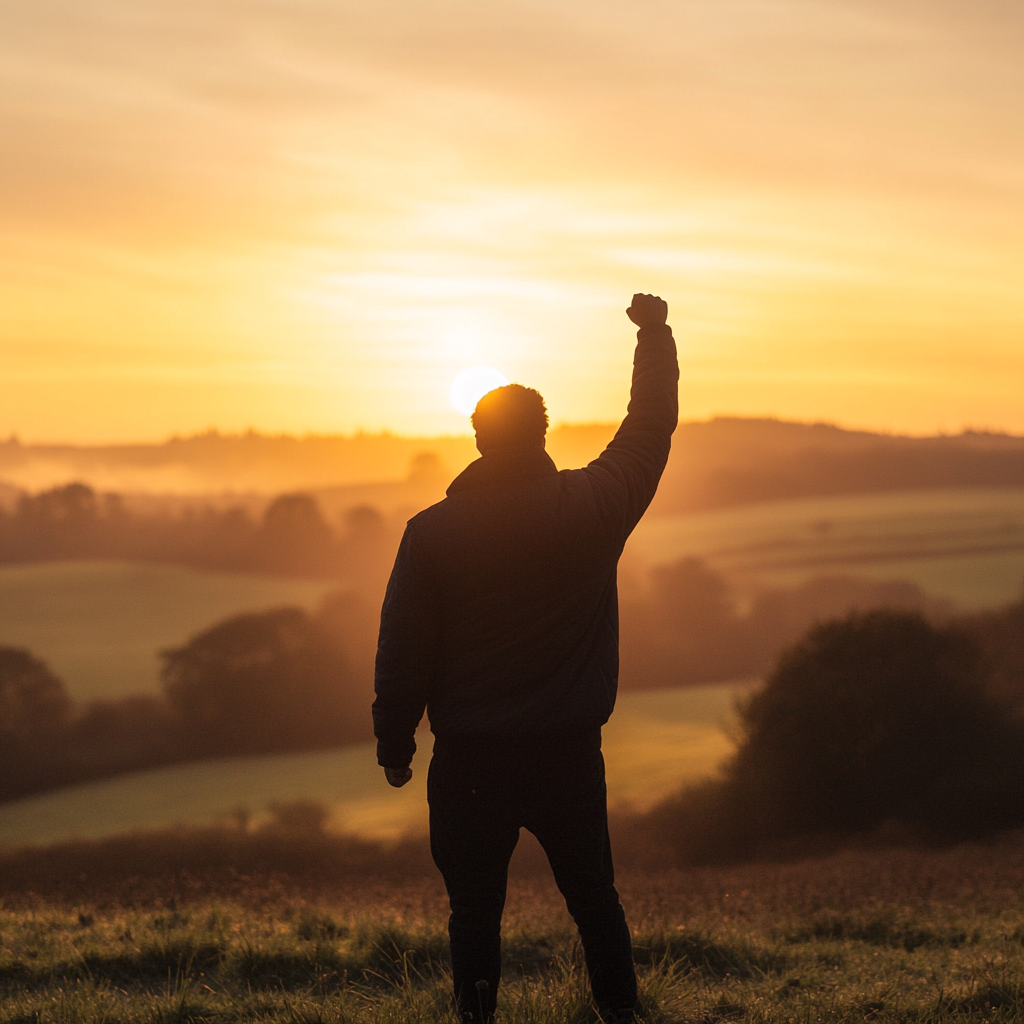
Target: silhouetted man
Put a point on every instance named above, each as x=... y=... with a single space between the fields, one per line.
x=501 y=620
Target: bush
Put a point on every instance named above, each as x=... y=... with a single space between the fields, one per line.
x=876 y=718
x=32 y=699
x=264 y=682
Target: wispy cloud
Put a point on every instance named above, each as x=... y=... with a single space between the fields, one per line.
x=801 y=176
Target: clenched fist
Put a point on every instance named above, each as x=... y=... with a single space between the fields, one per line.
x=648 y=310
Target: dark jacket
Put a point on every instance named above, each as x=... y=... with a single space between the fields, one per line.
x=501 y=614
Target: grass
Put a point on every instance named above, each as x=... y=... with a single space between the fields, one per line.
x=897 y=935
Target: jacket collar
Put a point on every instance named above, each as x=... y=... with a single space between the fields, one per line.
x=504 y=467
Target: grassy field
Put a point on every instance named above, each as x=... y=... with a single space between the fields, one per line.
x=965 y=545
x=100 y=624
x=654 y=743
x=898 y=935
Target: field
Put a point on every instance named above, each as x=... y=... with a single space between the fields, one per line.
x=655 y=742
x=100 y=624
x=964 y=545
x=329 y=932
x=898 y=935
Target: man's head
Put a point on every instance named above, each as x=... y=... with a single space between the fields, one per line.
x=510 y=416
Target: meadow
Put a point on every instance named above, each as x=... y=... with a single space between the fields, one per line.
x=655 y=742
x=878 y=935
x=99 y=624
x=964 y=545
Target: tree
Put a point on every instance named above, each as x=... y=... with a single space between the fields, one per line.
x=1001 y=635
x=34 y=711
x=683 y=629
x=61 y=522
x=33 y=701
x=874 y=717
x=294 y=537
x=263 y=682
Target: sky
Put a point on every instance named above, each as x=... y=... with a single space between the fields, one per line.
x=311 y=215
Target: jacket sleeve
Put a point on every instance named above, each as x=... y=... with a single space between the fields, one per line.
x=627 y=472
x=408 y=655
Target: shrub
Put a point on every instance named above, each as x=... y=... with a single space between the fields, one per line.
x=876 y=718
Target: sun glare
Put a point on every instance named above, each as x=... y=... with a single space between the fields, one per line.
x=471 y=385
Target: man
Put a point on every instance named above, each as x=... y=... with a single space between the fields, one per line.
x=501 y=620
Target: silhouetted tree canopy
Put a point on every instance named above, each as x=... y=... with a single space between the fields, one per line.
x=266 y=681
x=878 y=717
x=294 y=536
x=686 y=625
x=261 y=683
x=33 y=701
x=291 y=538
x=1000 y=632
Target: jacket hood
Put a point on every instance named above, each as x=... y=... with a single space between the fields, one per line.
x=504 y=467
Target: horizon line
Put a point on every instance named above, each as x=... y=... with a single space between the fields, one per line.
x=14 y=439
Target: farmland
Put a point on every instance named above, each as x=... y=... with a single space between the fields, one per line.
x=966 y=546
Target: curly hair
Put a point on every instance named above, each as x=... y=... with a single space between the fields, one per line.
x=510 y=415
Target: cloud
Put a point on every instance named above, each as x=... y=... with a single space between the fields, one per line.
x=156 y=108
x=179 y=174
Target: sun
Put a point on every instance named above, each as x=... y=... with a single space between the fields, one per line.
x=471 y=385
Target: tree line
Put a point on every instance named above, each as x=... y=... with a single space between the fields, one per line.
x=265 y=682
x=716 y=463
x=685 y=624
x=291 y=537
x=877 y=726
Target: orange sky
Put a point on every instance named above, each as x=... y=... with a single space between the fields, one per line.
x=310 y=215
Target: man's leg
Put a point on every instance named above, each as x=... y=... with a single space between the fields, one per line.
x=471 y=838
x=572 y=826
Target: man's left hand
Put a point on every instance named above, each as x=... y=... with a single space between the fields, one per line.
x=398 y=777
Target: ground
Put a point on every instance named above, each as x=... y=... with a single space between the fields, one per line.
x=880 y=935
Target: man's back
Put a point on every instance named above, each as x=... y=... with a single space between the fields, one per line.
x=501 y=614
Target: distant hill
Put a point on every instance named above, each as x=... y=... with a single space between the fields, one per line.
x=716 y=463
x=731 y=461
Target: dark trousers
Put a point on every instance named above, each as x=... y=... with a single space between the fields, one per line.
x=480 y=796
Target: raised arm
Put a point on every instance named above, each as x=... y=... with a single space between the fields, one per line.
x=629 y=469
x=407 y=660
